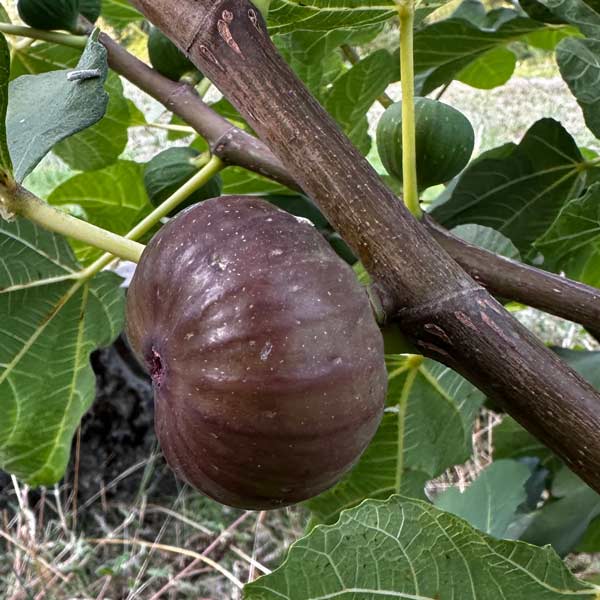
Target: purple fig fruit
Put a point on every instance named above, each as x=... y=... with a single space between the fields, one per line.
x=267 y=362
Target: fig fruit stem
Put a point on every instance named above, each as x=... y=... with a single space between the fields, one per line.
x=203 y=87
x=19 y=201
x=56 y=37
x=406 y=14
x=213 y=166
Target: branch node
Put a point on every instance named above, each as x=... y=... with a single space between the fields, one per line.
x=254 y=20
x=433 y=308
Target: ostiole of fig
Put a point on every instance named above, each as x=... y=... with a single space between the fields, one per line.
x=267 y=362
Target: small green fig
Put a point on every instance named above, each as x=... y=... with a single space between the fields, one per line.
x=166 y=57
x=90 y=9
x=444 y=141
x=49 y=14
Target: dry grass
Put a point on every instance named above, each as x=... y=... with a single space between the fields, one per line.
x=53 y=549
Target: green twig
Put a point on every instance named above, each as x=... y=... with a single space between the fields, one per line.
x=185 y=191
x=409 y=156
x=56 y=37
x=214 y=165
x=23 y=203
x=171 y=127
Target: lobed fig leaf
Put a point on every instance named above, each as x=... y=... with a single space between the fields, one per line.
x=266 y=360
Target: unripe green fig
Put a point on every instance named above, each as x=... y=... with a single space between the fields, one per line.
x=166 y=57
x=267 y=363
x=169 y=170
x=90 y=9
x=49 y=14
x=444 y=141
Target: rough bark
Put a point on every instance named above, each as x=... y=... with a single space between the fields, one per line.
x=448 y=315
x=507 y=279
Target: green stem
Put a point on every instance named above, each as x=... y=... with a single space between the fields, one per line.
x=192 y=78
x=214 y=165
x=23 y=203
x=409 y=155
x=185 y=191
x=171 y=127
x=203 y=87
x=56 y=37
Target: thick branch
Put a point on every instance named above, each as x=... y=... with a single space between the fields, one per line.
x=450 y=317
x=508 y=279
x=232 y=145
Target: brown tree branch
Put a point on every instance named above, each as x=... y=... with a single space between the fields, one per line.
x=513 y=280
x=507 y=279
x=439 y=306
x=231 y=144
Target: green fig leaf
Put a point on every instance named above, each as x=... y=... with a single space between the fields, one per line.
x=579 y=67
x=101 y=144
x=490 y=70
x=352 y=94
x=71 y=103
x=572 y=243
x=451 y=48
x=120 y=13
x=490 y=503
x=519 y=195
x=51 y=322
x=114 y=198
x=42 y=57
x=563 y=521
x=406 y=548
x=488 y=239
x=325 y=15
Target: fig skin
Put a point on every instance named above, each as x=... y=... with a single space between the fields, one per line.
x=267 y=363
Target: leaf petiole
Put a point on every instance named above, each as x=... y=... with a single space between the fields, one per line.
x=406 y=14
x=214 y=166
x=18 y=201
x=56 y=37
